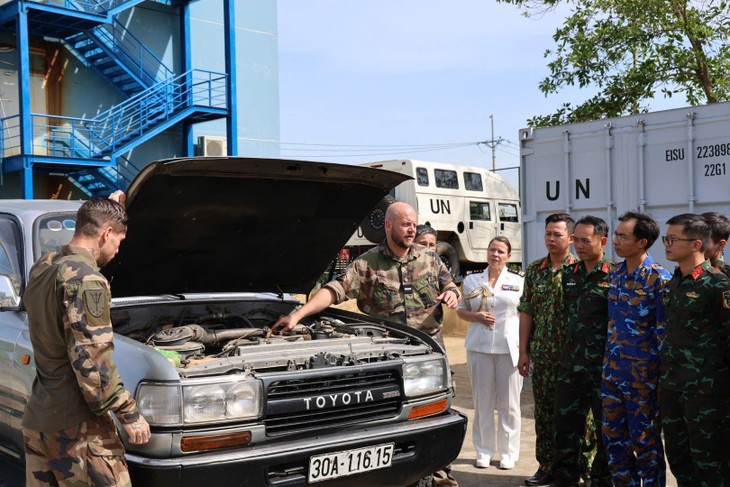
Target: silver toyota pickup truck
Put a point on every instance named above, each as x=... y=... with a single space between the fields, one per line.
x=213 y=249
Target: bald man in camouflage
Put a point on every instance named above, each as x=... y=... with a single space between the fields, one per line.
x=70 y=436
x=396 y=281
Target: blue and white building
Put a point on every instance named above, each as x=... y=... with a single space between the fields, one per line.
x=93 y=90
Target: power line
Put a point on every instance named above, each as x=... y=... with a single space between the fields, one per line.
x=369 y=152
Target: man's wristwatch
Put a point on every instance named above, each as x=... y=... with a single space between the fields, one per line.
x=455 y=291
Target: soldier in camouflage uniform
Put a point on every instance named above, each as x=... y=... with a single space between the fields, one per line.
x=542 y=333
x=695 y=359
x=396 y=281
x=585 y=297
x=715 y=248
x=631 y=422
x=70 y=437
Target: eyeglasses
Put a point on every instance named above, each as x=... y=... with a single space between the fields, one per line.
x=669 y=241
x=621 y=237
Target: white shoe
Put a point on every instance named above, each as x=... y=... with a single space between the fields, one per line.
x=483 y=461
x=506 y=464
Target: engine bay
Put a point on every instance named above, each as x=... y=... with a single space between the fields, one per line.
x=207 y=339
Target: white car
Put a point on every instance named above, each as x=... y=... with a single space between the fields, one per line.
x=213 y=248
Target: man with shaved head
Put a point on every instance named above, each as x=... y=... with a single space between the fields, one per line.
x=396 y=281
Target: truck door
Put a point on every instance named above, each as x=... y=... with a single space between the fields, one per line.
x=480 y=226
x=509 y=222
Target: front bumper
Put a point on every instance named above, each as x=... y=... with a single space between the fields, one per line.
x=421 y=447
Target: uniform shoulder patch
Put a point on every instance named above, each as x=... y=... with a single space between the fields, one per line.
x=95 y=302
x=726 y=299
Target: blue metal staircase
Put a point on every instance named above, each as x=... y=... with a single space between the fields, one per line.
x=89 y=151
x=119 y=56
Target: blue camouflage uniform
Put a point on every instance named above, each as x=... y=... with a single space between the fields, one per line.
x=629 y=390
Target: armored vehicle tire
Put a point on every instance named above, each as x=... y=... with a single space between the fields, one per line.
x=424 y=482
x=449 y=257
x=373 y=226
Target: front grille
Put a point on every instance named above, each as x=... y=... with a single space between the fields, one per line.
x=314 y=403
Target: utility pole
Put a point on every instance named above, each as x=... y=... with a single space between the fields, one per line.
x=492 y=144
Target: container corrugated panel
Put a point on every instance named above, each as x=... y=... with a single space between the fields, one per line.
x=662 y=163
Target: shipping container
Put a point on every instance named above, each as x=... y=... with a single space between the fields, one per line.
x=661 y=163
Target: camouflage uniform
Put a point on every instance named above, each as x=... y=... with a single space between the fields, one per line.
x=543 y=301
x=631 y=422
x=401 y=289
x=722 y=266
x=69 y=435
x=585 y=297
x=695 y=377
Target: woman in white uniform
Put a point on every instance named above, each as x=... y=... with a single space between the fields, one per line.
x=489 y=303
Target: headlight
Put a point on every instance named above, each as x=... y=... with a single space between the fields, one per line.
x=422 y=377
x=160 y=404
x=197 y=403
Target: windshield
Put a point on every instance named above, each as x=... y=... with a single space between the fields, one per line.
x=52 y=231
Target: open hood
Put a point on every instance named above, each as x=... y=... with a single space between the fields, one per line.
x=234 y=224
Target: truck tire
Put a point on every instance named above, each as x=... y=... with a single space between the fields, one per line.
x=449 y=257
x=424 y=482
x=373 y=226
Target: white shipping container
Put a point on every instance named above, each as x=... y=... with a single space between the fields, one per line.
x=662 y=163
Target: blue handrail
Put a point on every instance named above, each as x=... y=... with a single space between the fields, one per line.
x=114 y=127
x=60 y=136
x=136 y=56
x=89 y=6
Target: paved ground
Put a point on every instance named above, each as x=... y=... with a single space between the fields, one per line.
x=464 y=470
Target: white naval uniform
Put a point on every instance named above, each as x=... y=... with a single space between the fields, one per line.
x=492 y=357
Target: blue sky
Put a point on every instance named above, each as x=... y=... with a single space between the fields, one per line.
x=411 y=73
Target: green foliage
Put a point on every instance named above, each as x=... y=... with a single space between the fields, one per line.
x=633 y=50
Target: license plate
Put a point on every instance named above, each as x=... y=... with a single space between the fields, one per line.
x=349 y=462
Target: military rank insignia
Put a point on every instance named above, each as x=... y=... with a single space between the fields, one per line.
x=726 y=299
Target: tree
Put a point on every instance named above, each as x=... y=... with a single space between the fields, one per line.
x=631 y=51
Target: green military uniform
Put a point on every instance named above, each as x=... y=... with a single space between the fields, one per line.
x=722 y=266
x=68 y=432
x=401 y=289
x=695 y=377
x=543 y=301
x=585 y=297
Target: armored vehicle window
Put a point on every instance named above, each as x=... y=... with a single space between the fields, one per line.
x=473 y=181
x=508 y=212
x=422 y=176
x=52 y=231
x=479 y=210
x=10 y=251
x=446 y=179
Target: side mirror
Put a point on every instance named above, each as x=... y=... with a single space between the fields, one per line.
x=9 y=299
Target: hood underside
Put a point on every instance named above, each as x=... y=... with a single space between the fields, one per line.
x=204 y=225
